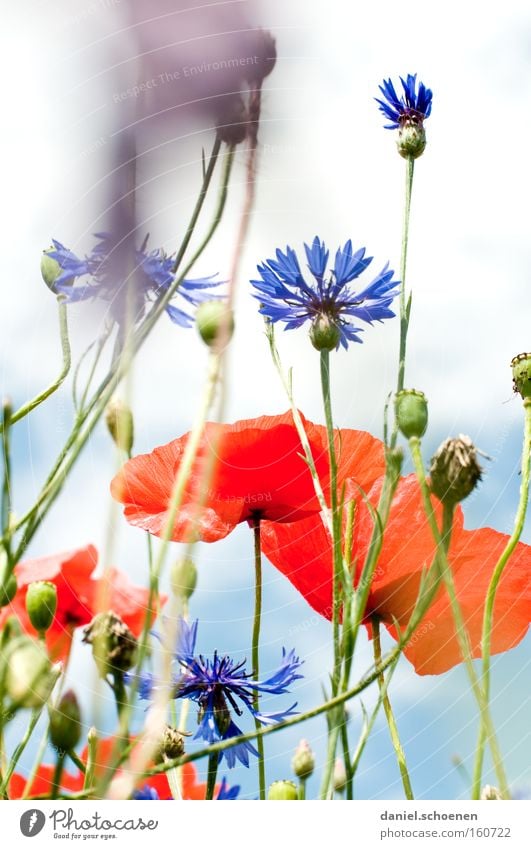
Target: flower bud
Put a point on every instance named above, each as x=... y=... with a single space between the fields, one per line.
x=521 y=366
x=119 y=420
x=8 y=590
x=340 y=776
x=28 y=673
x=114 y=646
x=454 y=470
x=65 y=723
x=171 y=745
x=411 y=408
x=282 y=791
x=50 y=269
x=184 y=578
x=213 y=319
x=232 y=120
x=303 y=761
x=324 y=333
x=490 y=793
x=411 y=141
x=41 y=604
x=264 y=52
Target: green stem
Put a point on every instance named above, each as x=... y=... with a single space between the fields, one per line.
x=488 y=613
x=256 y=648
x=199 y=203
x=349 y=786
x=405 y=304
x=56 y=781
x=213 y=761
x=65 y=347
x=337 y=568
x=389 y=715
x=74 y=757
x=302 y=789
x=6 y=485
x=19 y=750
x=120 y=693
x=92 y=746
x=441 y=540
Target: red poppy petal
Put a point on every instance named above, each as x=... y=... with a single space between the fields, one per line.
x=43 y=782
x=473 y=556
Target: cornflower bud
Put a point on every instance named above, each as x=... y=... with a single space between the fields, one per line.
x=184 y=578
x=282 y=791
x=521 y=366
x=454 y=470
x=171 y=745
x=340 y=776
x=50 y=269
x=65 y=723
x=114 y=646
x=119 y=420
x=28 y=677
x=303 y=761
x=411 y=408
x=490 y=793
x=324 y=333
x=411 y=141
x=41 y=604
x=214 y=321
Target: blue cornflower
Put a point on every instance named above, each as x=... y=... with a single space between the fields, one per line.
x=150 y=273
x=328 y=302
x=218 y=685
x=411 y=109
x=149 y=794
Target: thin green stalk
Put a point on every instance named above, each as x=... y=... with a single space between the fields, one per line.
x=42 y=396
x=15 y=757
x=92 y=754
x=74 y=757
x=302 y=789
x=213 y=761
x=462 y=635
x=6 y=484
x=337 y=569
x=389 y=715
x=199 y=203
x=120 y=693
x=405 y=303
x=349 y=786
x=488 y=613
x=56 y=781
x=36 y=764
x=256 y=648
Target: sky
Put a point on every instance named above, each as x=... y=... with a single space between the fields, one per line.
x=327 y=168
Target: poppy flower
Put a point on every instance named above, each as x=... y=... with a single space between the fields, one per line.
x=259 y=472
x=79 y=596
x=302 y=552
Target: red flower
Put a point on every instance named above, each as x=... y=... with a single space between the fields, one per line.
x=43 y=783
x=259 y=472
x=79 y=596
x=302 y=551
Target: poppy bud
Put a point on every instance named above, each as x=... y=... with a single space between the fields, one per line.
x=264 y=50
x=490 y=793
x=454 y=470
x=113 y=644
x=340 y=776
x=119 y=420
x=50 y=269
x=8 y=590
x=521 y=366
x=303 y=761
x=65 y=723
x=282 y=791
x=232 y=120
x=41 y=604
x=28 y=673
x=324 y=333
x=184 y=578
x=411 y=141
x=171 y=745
x=212 y=320
x=411 y=408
